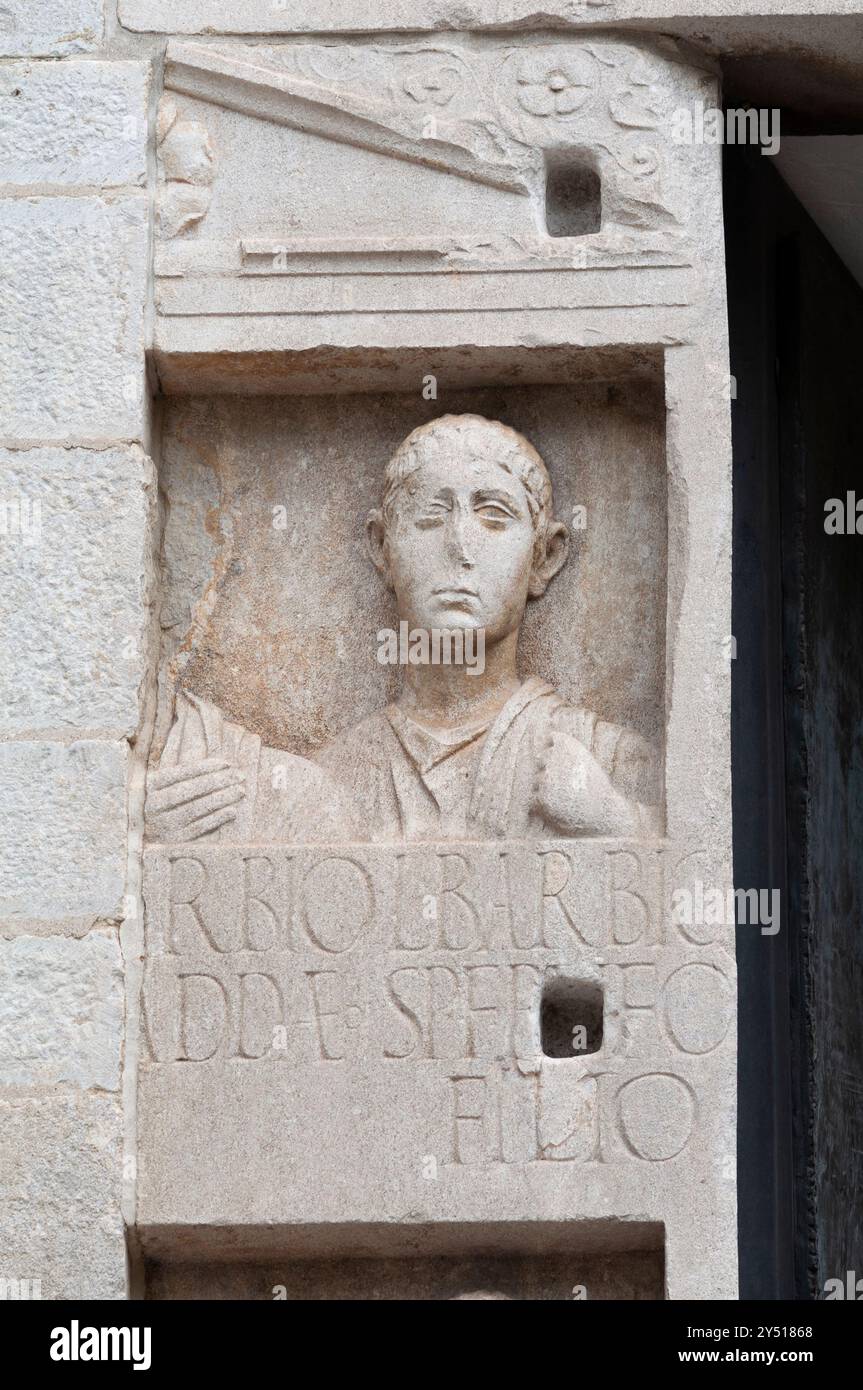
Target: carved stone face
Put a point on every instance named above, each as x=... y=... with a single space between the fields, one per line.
x=459 y=547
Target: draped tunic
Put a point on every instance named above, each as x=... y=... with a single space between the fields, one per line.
x=389 y=778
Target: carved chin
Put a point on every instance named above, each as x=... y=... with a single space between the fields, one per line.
x=459 y=609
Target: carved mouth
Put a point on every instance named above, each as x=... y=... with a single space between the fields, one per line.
x=448 y=591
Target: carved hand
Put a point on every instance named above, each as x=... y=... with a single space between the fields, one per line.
x=574 y=795
x=183 y=803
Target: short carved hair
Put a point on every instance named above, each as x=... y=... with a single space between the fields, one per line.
x=476 y=438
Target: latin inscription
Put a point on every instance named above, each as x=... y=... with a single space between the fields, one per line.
x=438 y=957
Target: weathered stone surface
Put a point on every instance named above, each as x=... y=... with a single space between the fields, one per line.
x=473 y=1023
x=345 y=985
x=186 y=169
x=294 y=262
x=367 y=1049
x=825 y=30
x=282 y=16
x=73 y=123
x=60 y=1178
x=324 y=675
x=63 y=833
x=72 y=326
x=49 y=28
x=61 y=1011
x=75 y=554
x=630 y=1275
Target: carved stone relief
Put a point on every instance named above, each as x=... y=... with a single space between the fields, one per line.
x=465 y=537
x=411 y=942
x=186 y=170
x=493 y=115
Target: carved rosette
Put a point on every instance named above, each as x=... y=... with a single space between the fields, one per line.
x=541 y=93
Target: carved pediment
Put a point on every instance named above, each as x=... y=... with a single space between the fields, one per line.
x=308 y=184
x=288 y=87
x=498 y=115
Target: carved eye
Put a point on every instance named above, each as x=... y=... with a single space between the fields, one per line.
x=494 y=514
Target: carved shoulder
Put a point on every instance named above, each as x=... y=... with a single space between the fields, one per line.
x=200 y=730
x=629 y=759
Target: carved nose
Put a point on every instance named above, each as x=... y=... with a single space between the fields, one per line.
x=458 y=545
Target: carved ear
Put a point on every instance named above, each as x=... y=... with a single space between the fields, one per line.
x=552 y=559
x=376 y=543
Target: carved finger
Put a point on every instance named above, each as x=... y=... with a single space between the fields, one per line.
x=195 y=789
x=167 y=776
x=199 y=810
x=176 y=823
x=210 y=823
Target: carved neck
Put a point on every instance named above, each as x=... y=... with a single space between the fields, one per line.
x=447 y=696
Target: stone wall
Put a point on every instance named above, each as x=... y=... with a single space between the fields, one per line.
x=192 y=216
x=77 y=490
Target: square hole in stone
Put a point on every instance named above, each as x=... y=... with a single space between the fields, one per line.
x=573 y=196
x=570 y=1017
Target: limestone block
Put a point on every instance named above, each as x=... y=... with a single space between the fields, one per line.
x=72 y=336
x=74 y=123
x=74 y=535
x=63 y=830
x=480 y=166
x=186 y=170
x=49 y=28
x=351 y=1033
x=61 y=1011
x=288 y=16
x=412 y=980
x=60 y=1176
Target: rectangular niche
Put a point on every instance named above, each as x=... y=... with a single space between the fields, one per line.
x=581 y=1261
x=270 y=604
x=630 y=1275
x=294 y=1139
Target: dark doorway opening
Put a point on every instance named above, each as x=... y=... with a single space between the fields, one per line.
x=796 y=331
